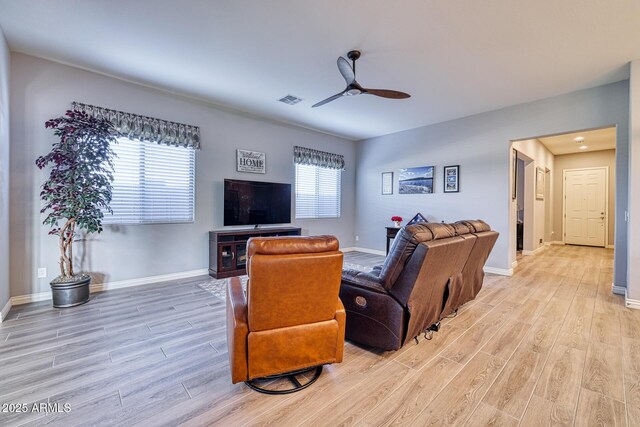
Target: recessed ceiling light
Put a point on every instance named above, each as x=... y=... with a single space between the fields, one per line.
x=579 y=139
x=583 y=147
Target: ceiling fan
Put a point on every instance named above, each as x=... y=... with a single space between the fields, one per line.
x=353 y=87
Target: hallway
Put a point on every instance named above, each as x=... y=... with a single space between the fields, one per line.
x=588 y=364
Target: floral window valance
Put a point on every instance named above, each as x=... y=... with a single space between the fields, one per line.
x=307 y=156
x=134 y=126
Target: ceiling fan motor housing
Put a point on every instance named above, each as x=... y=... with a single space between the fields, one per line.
x=353 y=55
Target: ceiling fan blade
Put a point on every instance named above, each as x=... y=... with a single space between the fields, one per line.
x=393 y=94
x=346 y=70
x=329 y=99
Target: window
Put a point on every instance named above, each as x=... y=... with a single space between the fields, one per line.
x=153 y=183
x=317 y=192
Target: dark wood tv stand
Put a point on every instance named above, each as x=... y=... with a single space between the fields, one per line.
x=228 y=248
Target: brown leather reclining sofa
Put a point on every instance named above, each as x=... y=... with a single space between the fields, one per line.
x=430 y=271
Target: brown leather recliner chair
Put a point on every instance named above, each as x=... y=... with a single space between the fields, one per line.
x=430 y=271
x=291 y=320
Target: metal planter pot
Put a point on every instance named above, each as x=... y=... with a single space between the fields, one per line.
x=70 y=294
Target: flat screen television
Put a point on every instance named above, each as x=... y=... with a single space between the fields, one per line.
x=256 y=203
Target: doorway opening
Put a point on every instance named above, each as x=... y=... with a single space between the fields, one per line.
x=524 y=213
x=563 y=191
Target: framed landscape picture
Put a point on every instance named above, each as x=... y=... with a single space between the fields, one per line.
x=452 y=179
x=416 y=180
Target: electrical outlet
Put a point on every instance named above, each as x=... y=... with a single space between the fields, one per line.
x=42 y=273
x=357 y=238
x=540 y=240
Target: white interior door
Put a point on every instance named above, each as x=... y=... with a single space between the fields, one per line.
x=585 y=197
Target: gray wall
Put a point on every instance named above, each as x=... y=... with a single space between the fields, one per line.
x=4 y=171
x=480 y=145
x=42 y=89
x=579 y=161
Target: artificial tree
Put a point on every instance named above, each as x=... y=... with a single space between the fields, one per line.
x=79 y=185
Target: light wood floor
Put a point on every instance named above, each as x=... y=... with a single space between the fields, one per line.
x=550 y=345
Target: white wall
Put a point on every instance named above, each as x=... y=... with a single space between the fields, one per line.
x=633 y=226
x=580 y=161
x=535 y=210
x=520 y=190
x=480 y=144
x=4 y=171
x=42 y=90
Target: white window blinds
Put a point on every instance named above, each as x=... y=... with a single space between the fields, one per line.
x=317 y=192
x=153 y=183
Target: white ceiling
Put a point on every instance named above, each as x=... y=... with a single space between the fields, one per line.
x=455 y=57
x=594 y=140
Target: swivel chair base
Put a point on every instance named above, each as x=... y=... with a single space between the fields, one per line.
x=291 y=376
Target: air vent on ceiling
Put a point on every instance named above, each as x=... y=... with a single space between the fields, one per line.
x=290 y=100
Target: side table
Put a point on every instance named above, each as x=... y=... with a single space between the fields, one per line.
x=391 y=234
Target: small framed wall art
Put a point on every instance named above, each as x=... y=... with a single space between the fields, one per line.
x=387 y=182
x=540 y=183
x=452 y=179
x=250 y=161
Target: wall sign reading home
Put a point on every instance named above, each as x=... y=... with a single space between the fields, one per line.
x=250 y=161
x=416 y=180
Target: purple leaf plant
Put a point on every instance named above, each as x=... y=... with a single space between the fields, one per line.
x=79 y=184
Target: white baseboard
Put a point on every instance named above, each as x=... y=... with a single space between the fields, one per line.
x=561 y=243
x=632 y=303
x=25 y=299
x=533 y=252
x=499 y=271
x=99 y=287
x=492 y=270
x=369 y=251
x=618 y=290
x=5 y=310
